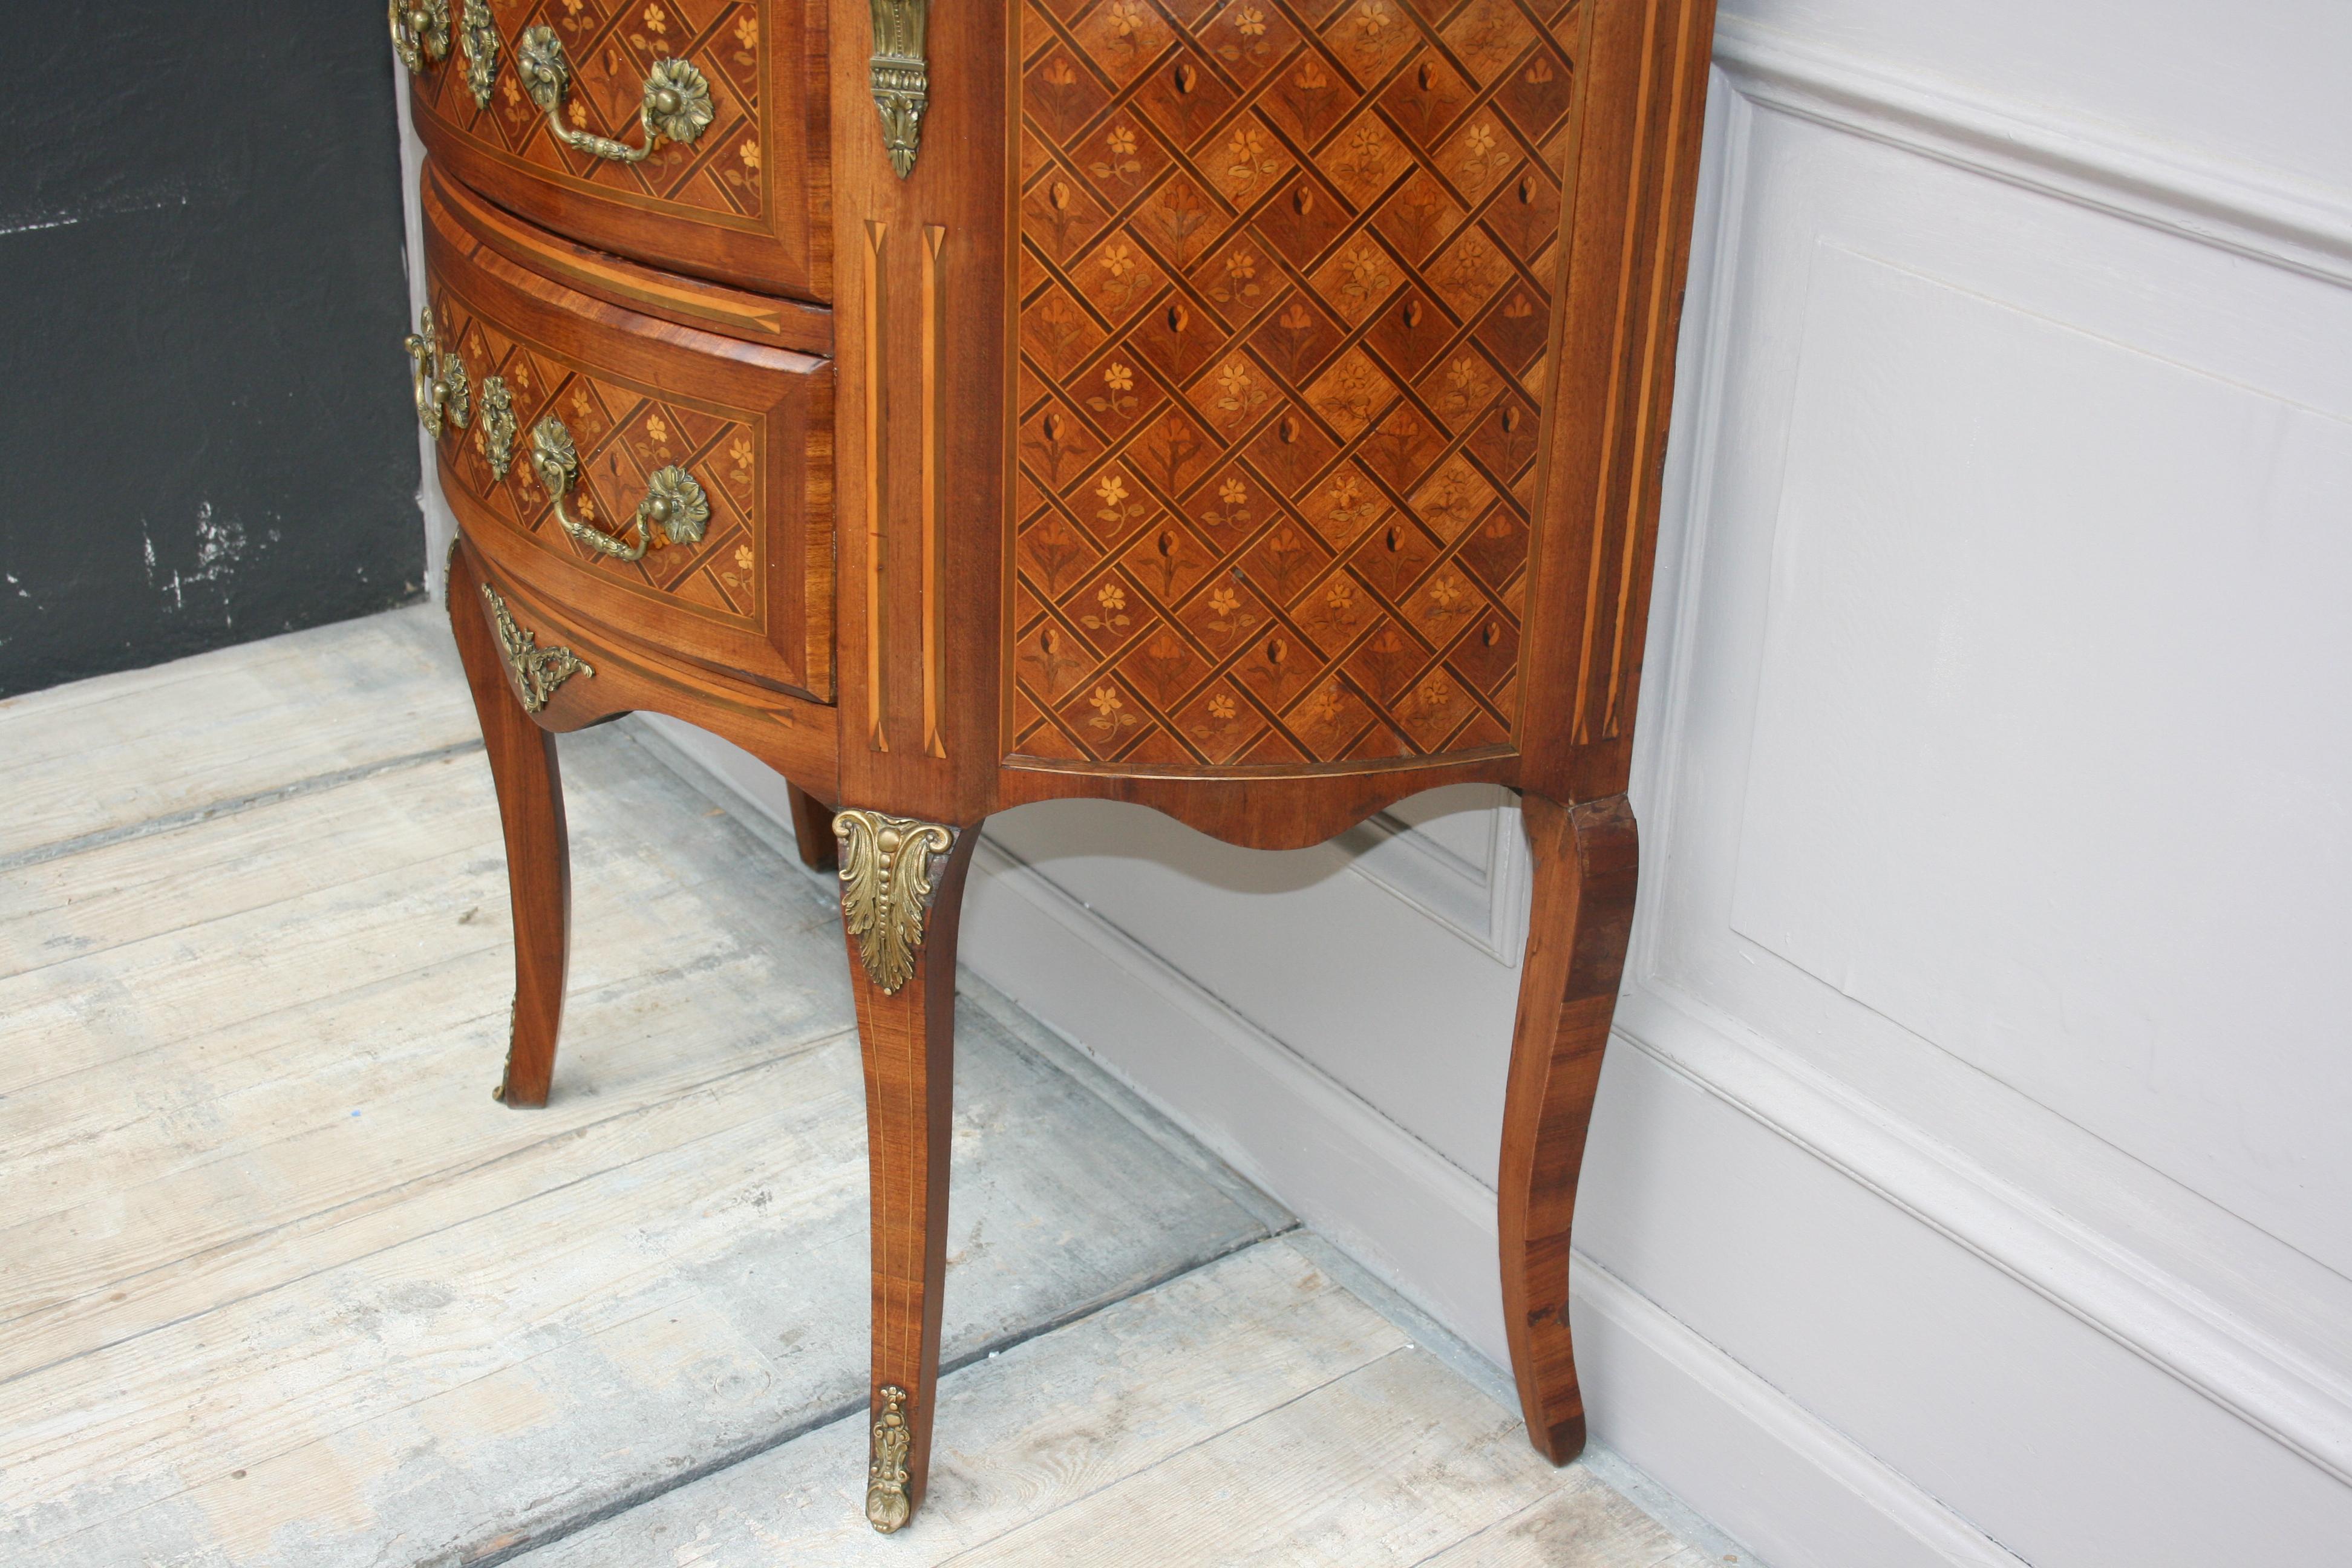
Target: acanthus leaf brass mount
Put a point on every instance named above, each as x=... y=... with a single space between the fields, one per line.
x=899 y=75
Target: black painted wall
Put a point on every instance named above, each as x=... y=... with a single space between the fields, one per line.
x=205 y=428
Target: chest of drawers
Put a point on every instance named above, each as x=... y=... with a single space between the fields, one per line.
x=1249 y=408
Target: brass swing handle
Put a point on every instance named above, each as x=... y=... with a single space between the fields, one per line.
x=442 y=390
x=420 y=35
x=677 y=103
x=673 y=503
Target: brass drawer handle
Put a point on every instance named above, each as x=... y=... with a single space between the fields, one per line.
x=677 y=103
x=420 y=32
x=673 y=503
x=420 y=37
x=440 y=379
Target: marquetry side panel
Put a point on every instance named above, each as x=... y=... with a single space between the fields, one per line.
x=624 y=432
x=1287 y=276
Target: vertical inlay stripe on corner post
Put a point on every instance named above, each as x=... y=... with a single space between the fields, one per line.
x=877 y=469
x=935 y=311
x=1658 y=344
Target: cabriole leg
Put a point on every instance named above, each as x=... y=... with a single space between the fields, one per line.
x=538 y=852
x=901 y=892
x=1585 y=863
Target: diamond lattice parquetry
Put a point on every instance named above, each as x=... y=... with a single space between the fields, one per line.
x=1285 y=296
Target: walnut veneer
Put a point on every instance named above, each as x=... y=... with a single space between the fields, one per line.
x=1251 y=408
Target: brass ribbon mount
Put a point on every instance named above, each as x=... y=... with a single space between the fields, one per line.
x=537 y=671
x=674 y=509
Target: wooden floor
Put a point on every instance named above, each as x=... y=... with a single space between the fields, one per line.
x=279 y=1283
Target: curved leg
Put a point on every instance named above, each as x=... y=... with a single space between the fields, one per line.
x=1585 y=861
x=901 y=894
x=812 y=828
x=539 y=851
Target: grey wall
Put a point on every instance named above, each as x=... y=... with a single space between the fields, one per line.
x=205 y=434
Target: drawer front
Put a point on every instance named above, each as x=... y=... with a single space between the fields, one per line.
x=741 y=201
x=1286 y=295
x=734 y=438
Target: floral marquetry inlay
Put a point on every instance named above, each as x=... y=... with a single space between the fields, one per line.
x=624 y=437
x=1288 y=274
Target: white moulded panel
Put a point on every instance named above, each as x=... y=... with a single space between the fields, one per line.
x=2050 y=752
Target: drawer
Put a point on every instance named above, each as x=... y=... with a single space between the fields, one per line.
x=734 y=438
x=742 y=201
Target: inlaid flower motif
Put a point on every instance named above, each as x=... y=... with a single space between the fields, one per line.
x=747 y=31
x=1107 y=705
x=577 y=112
x=1235 y=381
x=656 y=429
x=1223 y=601
x=1447 y=591
x=1113 y=489
x=656 y=19
x=1342 y=594
x=1232 y=492
x=1111 y=596
x=1122 y=140
x=750 y=153
x=1117 y=260
x=1366 y=269
x=1127 y=18
x=1250 y=157
x=1373 y=18
x=1119 y=377
x=743 y=558
x=1221 y=708
x=1250 y=22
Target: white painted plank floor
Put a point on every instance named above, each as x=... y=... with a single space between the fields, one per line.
x=279 y=1283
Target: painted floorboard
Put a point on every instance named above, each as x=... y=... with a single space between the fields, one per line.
x=280 y=1284
x=284 y=1285
x=1252 y=1412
